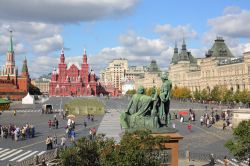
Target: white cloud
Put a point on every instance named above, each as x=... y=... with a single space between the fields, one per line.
x=171 y=34
x=42 y=38
x=138 y=50
x=141 y=45
x=233 y=23
x=48 y=44
x=42 y=65
x=231 y=10
x=64 y=11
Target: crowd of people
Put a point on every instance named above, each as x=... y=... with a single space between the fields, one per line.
x=17 y=133
x=208 y=119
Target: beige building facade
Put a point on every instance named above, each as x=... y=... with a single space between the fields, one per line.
x=115 y=72
x=219 y=67
x=42 y=84
x=119 y=72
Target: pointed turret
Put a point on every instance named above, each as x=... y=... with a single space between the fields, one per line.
x=183 y=47
x=10 y=60
x=85 y=57
x=175 y=48
x=175 y=57
x=62 y=58
x=183 y=54
x=25 y=71
x=10 y=49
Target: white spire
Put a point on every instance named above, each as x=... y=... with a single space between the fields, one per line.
x=62 y=51
x=85 y=51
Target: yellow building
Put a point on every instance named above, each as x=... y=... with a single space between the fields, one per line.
x=219 y=67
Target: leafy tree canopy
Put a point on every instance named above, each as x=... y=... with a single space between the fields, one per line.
x=135 y=149
x=239 y=146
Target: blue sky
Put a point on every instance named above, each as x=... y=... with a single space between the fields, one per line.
x=135 y=29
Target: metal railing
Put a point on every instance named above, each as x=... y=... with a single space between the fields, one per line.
x=36 y=160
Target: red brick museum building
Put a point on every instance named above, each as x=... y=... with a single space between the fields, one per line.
x=73 y=79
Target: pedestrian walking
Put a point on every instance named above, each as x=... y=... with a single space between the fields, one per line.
x=73 y=135
x=224 y=126
x=57 y=123
x=201 y=120
x=182 y=119
x=173 y=125
x=14 y=113
x=63 y=141
x=90 y=134
x=226 y=161
x=55 y=140
x=49 y=123
x=43 y=162
x=189 y=126
x=85 y=124
x=212 y=161
x=48 y=143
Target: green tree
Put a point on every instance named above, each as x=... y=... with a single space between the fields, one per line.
x=33 y=90
x=197 y=94
x=131 y=92
x=185 y=93
x=149 y=91
x=135 y=148
x=204 y=94
x=84 y=153
x=216 y=94
x=239 y=146
x=244 y=96
x=236 y=96
x=228 y=96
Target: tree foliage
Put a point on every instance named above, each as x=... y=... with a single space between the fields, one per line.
x=33 y=90
x=239 y=146
x=131 y=92
x=136 y=148
x=204 y=94
x=83 y=153
x=181 y=92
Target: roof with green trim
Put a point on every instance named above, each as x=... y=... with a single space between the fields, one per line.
x=4 y=101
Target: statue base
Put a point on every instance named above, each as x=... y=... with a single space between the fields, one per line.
x=169 y=155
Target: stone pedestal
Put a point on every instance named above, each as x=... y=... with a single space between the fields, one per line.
x=170 y=153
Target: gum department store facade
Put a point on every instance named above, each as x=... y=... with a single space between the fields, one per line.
x=219 y=67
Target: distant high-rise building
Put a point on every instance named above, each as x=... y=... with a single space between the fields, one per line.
x=114 y=73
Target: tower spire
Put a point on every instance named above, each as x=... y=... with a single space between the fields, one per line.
x=62 y=58
x=62 y=51
x=25 y=71
x=11 y=43
x=175 y=48
x=84 y=57
x=184 y=44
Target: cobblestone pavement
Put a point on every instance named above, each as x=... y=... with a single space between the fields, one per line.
x=12 y=151
x=202 y=141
